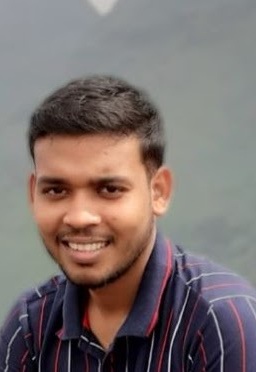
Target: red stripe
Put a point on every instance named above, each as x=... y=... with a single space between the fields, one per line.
x=41 y=322
x=55 y=282
x=192 y=264
x=24 y=357
x=166 y=277
x=223 y=285
x=112 y=362
x=241 y=331
x=202 y=350
x=86 y=363
x=57 y=356
x=164 y=343
x=86 y=320
x=187 y=329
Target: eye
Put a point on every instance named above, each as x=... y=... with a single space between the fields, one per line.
x=111 y=191
x=54 y=191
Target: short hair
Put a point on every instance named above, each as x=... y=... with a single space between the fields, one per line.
x=101 y=104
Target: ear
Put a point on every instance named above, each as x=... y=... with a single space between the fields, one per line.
x=161 y=186
x=31 y=188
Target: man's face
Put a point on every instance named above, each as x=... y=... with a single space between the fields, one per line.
x=94 y=205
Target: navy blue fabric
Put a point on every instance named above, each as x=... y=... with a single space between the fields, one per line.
x=189 y=315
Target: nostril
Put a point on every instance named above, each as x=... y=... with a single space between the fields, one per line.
x=81 y=219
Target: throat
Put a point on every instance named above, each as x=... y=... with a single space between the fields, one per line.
x=108 y=309
x=105 y=326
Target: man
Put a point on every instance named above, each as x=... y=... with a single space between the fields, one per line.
x=129 y=300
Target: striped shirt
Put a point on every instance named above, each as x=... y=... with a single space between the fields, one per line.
x=189 y=315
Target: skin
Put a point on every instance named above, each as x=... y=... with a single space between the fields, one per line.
x=93 y=192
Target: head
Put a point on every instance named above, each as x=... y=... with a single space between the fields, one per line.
x=99 y=181
x=101 y=105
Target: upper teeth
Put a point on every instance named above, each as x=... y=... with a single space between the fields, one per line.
x=88 y=247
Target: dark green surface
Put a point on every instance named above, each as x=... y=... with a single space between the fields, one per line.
x=197 y=58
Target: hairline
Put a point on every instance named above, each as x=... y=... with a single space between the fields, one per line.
x=149 y=165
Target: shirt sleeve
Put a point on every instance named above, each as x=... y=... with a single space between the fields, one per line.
x=227 y=340
x=15 y=354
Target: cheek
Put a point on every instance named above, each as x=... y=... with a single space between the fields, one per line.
x=129 y=215
x=46 y=219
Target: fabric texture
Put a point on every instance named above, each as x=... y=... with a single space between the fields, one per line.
x=189 y=315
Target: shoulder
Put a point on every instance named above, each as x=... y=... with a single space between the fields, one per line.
x=49 y=288
x=222 y=317
x=212 y=282
x=43 y=299
x=34 y=296
x=29 y=302
x=222 y=294
x=24 y=321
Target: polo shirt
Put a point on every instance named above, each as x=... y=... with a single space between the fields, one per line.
x=189 y=315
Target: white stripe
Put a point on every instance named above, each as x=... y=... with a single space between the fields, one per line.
x=176 y=329
x=188 y=255
x=151 y=351
x=92 y=343
x=99 y=366
x=220 y=339
x=39 y=362
x=127 y=355
x=23 y=316
x=252 y=309
x=38 y=293
x=69 y=356
x=98 y=346
x=190 y=358
x=210 y=274
x=209 y=310
x=9 y=348
x=232 y=296
x=179 y=254
x=84 y=338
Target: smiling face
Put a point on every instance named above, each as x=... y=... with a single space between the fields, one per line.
x=95 y=205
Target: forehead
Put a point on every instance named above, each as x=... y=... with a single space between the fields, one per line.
x=91 y=153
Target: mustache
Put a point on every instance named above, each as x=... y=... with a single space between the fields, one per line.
x=90 y=233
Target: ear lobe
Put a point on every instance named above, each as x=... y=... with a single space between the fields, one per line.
x=31 y=188
x=161 y=190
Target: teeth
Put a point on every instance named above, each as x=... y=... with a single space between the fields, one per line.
x=86 y=247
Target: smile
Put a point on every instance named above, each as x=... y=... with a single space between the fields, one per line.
x=86 y=247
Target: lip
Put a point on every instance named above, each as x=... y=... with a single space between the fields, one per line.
x=83 y=239
x=84 y=257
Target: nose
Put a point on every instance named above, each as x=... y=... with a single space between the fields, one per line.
x=80 y=216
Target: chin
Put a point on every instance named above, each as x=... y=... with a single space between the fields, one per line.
x=96 y=283
x=81 y=280
x=101 y=283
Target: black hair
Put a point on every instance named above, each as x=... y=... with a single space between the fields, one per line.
x=101 y=104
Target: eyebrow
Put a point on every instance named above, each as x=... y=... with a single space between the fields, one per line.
x=50 y=180
x=111 y=179
x=99 y=180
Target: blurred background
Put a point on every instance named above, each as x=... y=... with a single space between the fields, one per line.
x=196 y=58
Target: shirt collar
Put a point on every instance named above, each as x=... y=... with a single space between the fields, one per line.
x=144 y=314
x=72 y=326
